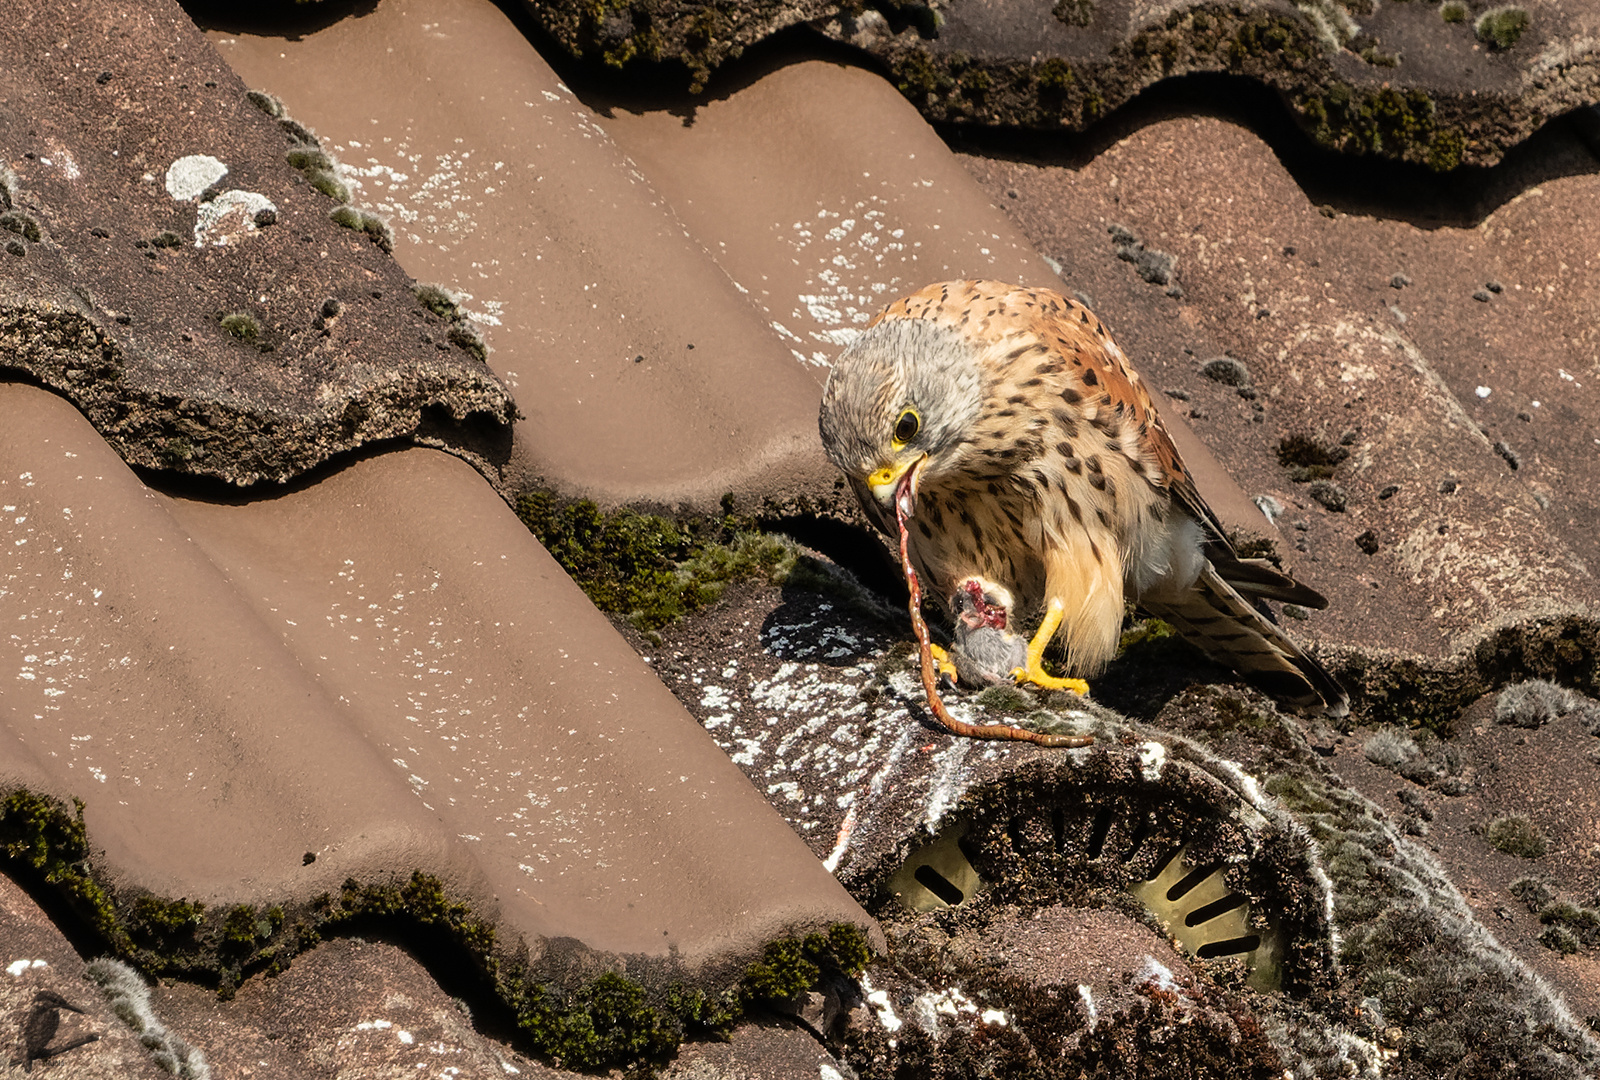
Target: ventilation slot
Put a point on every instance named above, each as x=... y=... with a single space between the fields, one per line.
x=937 y=875
x=1098 y=834
x=1211 y=950
x=935 y=882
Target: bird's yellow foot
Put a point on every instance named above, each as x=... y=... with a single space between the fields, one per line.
x=1038 y=676
x=1035 y=673
x=942 y=663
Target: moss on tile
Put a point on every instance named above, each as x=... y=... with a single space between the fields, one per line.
x=647 y=568
x=1516 y=835
x=241 y=325
x=364 y=221
x=1502 y=27
x=40 y=833
x=610 y=1020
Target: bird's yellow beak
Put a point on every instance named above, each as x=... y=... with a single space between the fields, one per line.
x=886 y=482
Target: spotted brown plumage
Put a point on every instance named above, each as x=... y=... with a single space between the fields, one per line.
x=1042 y=473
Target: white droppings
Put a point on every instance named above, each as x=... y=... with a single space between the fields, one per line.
x=1484 y=391
x=1087 y=997
x=17 y=967
x=996 y=1017
x=1152 y=758
x=879 y=1000
x=1154 y=971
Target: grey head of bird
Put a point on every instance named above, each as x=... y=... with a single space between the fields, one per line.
x=907 y=392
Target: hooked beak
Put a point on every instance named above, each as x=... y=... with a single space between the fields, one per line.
x=896 y=485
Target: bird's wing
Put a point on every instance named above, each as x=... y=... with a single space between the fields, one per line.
x=1225 y=626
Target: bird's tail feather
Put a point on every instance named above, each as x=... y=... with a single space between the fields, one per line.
x=1215 y=618
x=1258 y=577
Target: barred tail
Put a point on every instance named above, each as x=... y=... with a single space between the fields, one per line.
x=1227 y=628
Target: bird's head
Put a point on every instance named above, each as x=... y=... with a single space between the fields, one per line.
x=899 y=406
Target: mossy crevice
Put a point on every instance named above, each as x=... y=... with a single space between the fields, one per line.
x=649 y=569
x=460 y=331
x=637 y=1009
x=1430 y=694
x=1294 y=52
x=45 y=836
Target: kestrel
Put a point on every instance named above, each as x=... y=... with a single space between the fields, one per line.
x=1042 y=489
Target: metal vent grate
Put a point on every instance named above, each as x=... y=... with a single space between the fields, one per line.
x=1209 y=920
x=1194 y=904
x=938 y=874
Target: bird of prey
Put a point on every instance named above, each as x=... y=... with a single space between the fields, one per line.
x=1044 y=491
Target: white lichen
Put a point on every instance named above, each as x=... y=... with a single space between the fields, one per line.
x=189 y=177
x=129 y=999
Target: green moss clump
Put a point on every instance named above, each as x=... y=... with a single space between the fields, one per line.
x=239 y=928
x=649 y=569
x=1515 y=835
x=1500 y=28
x=1145 y=630
x=40 y=833
x=791 y=966
x=439 y=300
x=362 y=221
x=1055 y=75
x=1559 y=939
x=167 y=917
x=422 y=898
x=319 y=170
x=308 y=159
x=1583 y=923
x=241 y=325
x=266 y=103
x=329 y=184
x=1534 y=892
x=1445 y=150
x=1005 y=699
x=917 y=77
x=1453 y=11
x=608 y=1021
x=464 y=335
x=1074 y=12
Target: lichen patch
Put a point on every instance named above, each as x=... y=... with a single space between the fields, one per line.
x=230 y=217
x=189 y=177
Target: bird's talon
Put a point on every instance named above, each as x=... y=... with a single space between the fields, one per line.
x=941 y=661
x=1041 y=678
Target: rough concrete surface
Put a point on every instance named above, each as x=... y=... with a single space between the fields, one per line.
x=133 y=239
x=1399 y=80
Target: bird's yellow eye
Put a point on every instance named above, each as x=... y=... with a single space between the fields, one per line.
x=906 y=428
